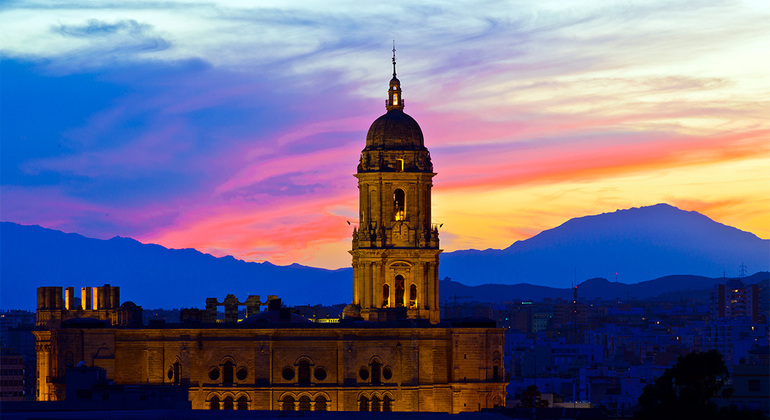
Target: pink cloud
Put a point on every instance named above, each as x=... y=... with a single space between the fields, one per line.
x=593 y=159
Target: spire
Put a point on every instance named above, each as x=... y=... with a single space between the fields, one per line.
x=395 y=101
x=394 y=58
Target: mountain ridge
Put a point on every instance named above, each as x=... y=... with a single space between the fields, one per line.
x=33 y=256
x=616 y=243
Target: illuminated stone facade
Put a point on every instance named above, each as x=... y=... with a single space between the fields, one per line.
x=395 y=248
x=102 y=303
x=390 y=353
x=450 y=368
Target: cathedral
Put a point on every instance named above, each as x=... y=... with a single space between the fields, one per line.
x=390 y=352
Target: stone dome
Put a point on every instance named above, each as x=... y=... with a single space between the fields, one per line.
x=351 y=311
x=395 y=131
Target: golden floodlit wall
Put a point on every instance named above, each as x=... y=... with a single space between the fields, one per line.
x=336 y=368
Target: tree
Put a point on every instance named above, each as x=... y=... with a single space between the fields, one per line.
x=530 y=398
x=686 y=390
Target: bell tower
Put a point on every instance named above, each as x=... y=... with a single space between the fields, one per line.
x=395 y=247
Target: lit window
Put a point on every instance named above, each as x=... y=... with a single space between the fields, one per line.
x=399 y=204
x=385 y=295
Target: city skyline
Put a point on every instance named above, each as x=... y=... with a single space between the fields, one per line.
x=236 y=130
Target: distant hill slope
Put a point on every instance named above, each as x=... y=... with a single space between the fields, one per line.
x=150 y=275
x=638 y=244
x=596 y=288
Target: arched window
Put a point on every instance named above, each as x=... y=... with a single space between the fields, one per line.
x=288 y=403
x=227 y=374
x=303 y=372
x=399 y=204
x=385 y=295
x=496 y=366
x=413 y=296
x=387 y=404
x=320 y=403
x=363 y=404
x=243 y=403
x=375 y=403
x=229 y=402
x=304 y=403
x=177 y=371
x=214 y=403
x=376 y=369
x=399 y=290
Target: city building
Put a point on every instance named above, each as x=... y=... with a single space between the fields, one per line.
x=735 y=299
x=11 y=377
x=391 y=352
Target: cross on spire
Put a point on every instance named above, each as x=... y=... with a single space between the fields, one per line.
x=394 y=101
x=394 y=58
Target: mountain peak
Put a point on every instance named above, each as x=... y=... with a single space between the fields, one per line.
x=631 y=245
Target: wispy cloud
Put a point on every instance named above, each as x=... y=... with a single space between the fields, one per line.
x=235 y=128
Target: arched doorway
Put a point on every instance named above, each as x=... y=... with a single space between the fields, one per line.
x=288 y=403
x=304 y=403
x=320 y=403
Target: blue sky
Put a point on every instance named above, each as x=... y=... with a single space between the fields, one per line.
x=234 y=127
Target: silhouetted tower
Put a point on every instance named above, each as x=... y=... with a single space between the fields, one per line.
x=575 y=318
x=743 y=270
x=395 y=248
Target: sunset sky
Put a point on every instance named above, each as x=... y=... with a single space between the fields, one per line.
x=234 y=127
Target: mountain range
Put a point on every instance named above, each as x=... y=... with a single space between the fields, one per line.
x=640 y=244
x=629 y=246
